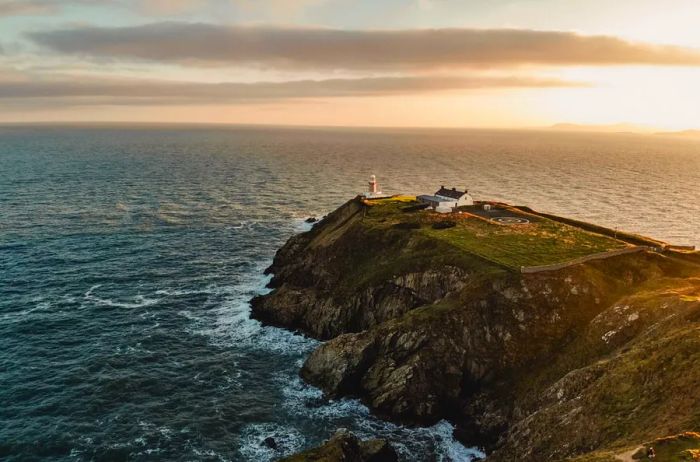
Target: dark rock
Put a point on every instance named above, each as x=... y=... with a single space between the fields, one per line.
x=377 y=450
x=311 y=220
x=269 y=442
x=346 y=447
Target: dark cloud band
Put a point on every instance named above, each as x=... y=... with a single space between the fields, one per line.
x=113 y=91
x=304 y=48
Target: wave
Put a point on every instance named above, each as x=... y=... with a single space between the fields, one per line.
x=139 y=301
x=209 y=290
x=288 y=440
x=306 y=401
x=229 y=323
x=27 y=314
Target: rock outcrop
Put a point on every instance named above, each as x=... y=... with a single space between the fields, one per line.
x=346 y=447
x=325 y=282
x=533 y=367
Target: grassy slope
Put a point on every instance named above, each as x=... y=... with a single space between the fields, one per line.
x=386 y=251
x=538 y=243
x=646 y=379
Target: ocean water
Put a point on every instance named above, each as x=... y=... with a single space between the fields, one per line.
x=128 y=256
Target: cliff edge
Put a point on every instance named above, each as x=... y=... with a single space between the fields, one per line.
x=431 y=316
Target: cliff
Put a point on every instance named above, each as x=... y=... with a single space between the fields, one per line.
x=429 y=316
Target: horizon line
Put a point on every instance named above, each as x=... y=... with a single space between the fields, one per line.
x=560 y=127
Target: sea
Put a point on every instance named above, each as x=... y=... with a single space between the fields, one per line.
x=129 y=254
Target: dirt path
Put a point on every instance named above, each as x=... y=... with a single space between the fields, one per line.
x=627 y=456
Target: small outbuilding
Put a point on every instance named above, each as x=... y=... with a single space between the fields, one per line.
x=446 y=200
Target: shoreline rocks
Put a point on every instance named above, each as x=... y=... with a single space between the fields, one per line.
x=343 y=446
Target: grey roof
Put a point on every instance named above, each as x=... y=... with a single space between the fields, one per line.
x=429 y=198
x=453 y=193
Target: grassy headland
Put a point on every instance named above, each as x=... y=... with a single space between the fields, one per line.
x=541 y=241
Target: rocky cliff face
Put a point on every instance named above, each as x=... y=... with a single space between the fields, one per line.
x=534 y=367
x=339 y=277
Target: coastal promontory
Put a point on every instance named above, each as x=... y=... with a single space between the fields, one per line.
x=539 y=337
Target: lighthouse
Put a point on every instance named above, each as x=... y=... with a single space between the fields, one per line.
x=373 y=191
x=373 y=186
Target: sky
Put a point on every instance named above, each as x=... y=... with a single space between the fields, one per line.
x=430 y=63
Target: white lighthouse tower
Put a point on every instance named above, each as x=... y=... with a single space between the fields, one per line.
x=373 y=186
x=373 y=190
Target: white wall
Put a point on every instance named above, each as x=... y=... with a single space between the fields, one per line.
x=467 y=199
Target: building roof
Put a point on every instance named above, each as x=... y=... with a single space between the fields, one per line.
x=429 y=198
x=453 y=193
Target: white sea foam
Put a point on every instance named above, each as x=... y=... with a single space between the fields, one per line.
x=252 y=446
x=183 y=292
x=303 y=400
x=138 y=301
x=243 y=224
x=28 y=314
x=301 y=225
x=229 y=322
x=208 y=454
x=447 y=448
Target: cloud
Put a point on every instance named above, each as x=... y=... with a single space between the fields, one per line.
x=130 y=92
x=157 y=7
x=26 y=7
x=167 y=7
x=276 y=8
x=315 y=48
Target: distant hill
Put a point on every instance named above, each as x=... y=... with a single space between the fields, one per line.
x=682 y=133
x=611 y=128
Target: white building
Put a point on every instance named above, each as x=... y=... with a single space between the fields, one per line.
x=446 y=200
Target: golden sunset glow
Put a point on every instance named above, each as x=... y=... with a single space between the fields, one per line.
x=332 y=62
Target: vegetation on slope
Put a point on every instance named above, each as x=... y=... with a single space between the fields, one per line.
x=540 y=242
x=630 y=376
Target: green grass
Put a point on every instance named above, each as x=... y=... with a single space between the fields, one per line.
x=537 y=243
